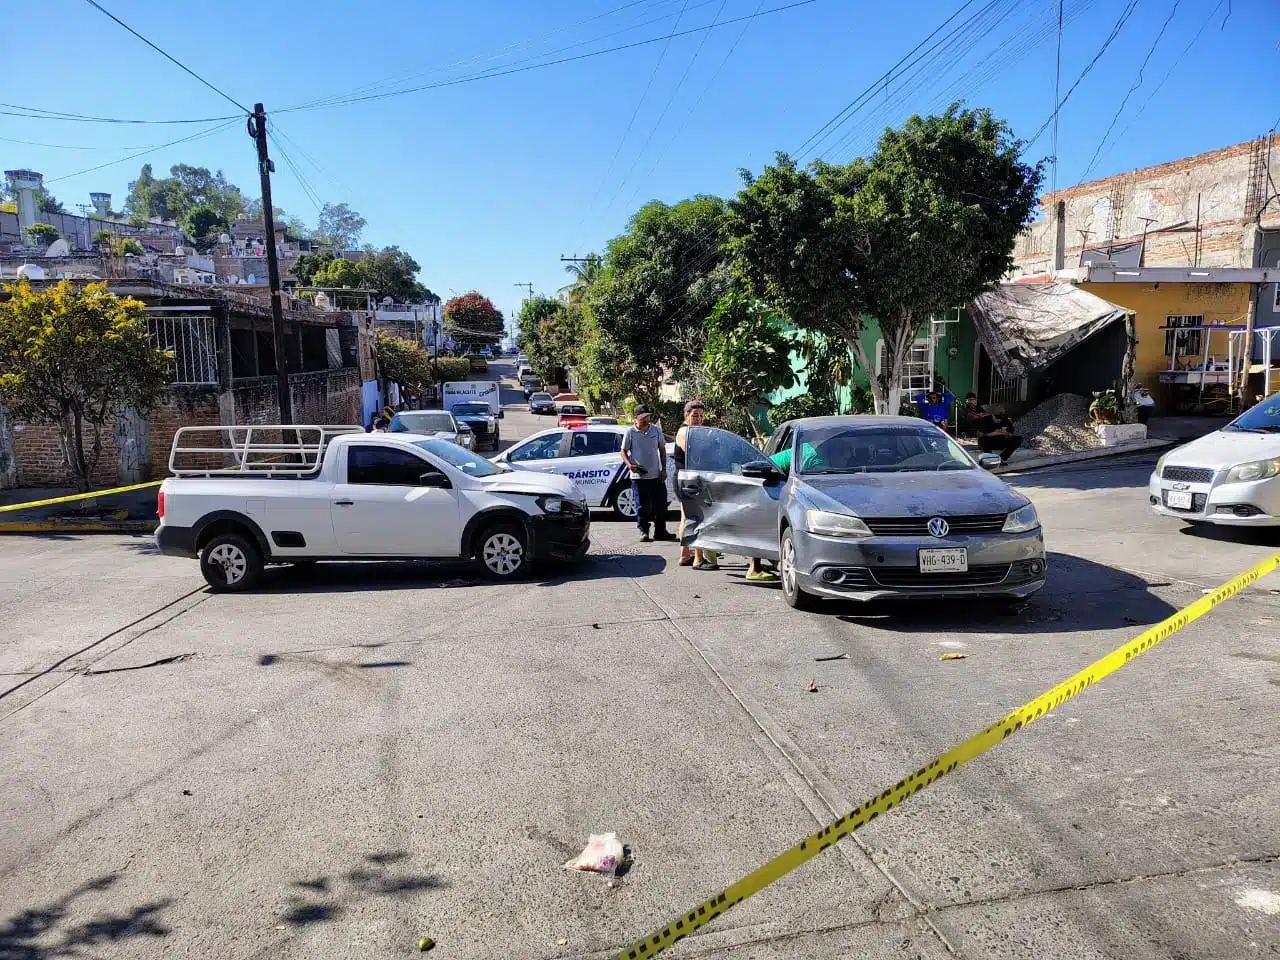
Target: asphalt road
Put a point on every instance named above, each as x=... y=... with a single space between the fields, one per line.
x=358 y=756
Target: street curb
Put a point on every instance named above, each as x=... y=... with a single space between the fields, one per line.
x=78 y=526
x=1140 y=446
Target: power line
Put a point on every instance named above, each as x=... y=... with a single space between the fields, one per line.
x=38 y=113
x=97 y=6
x=171 y=143
x=839 y=117
x=1115 y=31
x=552 y=63
x=626 y=132
x=1137 y=82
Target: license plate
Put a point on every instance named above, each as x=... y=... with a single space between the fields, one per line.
x=950 y=560
x=1178 y=499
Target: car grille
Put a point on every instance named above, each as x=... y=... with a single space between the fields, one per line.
x=1187 y=474
x=1197 y=503
x=982 y=575
x=919 y=526
x=479 y=429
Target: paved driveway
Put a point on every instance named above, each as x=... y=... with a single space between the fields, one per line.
x=361 y=755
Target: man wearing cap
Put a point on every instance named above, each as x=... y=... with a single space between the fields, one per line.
x=644 y=451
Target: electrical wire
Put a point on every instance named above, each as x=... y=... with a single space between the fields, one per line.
x=1115 y=32
x=1137 y=82
x=39 y=113
x=110 y=163
x=275 y=134
x=101 y=9
x=552 y=63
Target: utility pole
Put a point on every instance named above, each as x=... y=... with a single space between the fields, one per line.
x=258 y=131
x=1142 y=250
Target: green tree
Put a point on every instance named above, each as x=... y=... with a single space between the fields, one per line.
x=42 y=234
x=584 y=274
x=203 y=224
x=308 y=265
x=473 y=319
x=393 y=273
x=926 y=223
x=659 y=282
x=747 y=355
x=529 y=334
x=125 y=247
x=74 y=356
x=404 y=362
x=341 y=226
x=297 y=228
x=46 y=202
x=186 y=187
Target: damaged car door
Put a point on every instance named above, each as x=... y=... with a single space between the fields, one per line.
x=730 y=494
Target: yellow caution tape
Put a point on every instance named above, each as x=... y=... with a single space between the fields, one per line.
x=913 y=783
x=78 y=496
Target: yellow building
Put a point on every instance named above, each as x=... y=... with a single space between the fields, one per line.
x=1173 y=303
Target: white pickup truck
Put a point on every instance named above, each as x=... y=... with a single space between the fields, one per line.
x=244 y=497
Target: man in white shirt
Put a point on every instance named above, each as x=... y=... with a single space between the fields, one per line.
x=644 y=451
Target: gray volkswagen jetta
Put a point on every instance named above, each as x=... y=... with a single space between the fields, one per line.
x=862 y=508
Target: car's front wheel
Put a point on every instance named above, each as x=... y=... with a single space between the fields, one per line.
x=791 y=591
x=230 y=563
x=503 y=551
x=624 y=504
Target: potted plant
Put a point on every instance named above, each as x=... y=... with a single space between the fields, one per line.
x=1105 y=407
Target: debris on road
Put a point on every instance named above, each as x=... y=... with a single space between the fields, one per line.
x=954 y=656
x=562 y=942
x=838 y=656
x=425 y=944
x=163 y=661
x=812 y=687
x=602 y=854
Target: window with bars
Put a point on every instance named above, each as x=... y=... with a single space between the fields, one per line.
x=1186 y=341
x=917 y=365
x=191 y=341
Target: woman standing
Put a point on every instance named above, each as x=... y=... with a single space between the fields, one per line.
x=694 y=416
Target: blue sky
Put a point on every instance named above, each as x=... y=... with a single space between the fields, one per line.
x=488 y=183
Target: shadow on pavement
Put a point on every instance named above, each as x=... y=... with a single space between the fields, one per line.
x=324 y=898
x=340 y=577
x=1122 y=473
x=1250 y=536
x=1079 y=595
x=46 y=932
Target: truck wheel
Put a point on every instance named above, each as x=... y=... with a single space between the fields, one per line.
x=231 y=563
x=796 y=598
x=624 y=504
x=502 y=551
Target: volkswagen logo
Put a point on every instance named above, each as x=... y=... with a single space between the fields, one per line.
x=938 y=527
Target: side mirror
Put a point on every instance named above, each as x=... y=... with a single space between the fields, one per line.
x=500 y=414
x=762 y=470
x=988 y=461
x=433 y=479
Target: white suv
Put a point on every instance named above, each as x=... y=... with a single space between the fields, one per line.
x=591 y=456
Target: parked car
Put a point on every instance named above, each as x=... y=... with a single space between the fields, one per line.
x=572 y=414
x=358 y=496
x=481 y=419
x=434 y=423
x=602 y=419
x=541 y=403
x=1230 y=477
x=531 y=384
x=589 y=455
x=486 y=352
x=522 y=360
x=863 y=508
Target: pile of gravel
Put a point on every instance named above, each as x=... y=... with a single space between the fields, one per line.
x=1057 y=426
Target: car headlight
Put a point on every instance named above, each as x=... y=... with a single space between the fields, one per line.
x=1021 y=520
x=1160 y=465
x=828 y=524
x=551 y=504
x=1255 y=470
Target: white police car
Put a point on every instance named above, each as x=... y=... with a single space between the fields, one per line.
x=591 y=456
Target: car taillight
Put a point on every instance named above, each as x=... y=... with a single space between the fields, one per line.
x=160 y=504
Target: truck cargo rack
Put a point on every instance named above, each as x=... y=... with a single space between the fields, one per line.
x=255 y=450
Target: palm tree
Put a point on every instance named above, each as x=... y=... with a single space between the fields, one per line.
x=584 y=272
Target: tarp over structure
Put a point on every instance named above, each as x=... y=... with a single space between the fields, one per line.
x=1027 y=326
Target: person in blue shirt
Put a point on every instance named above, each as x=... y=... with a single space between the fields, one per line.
x=935 y=407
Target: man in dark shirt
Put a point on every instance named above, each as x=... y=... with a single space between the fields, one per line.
x=994 y=431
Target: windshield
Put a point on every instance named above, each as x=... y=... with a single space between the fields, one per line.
x=462 y=409
x=466 y=461
x=843 y=448
x=573 y=408
x=1262 y=417
x=540 y=397
x=422 y=421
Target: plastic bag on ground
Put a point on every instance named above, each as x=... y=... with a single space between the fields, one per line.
x=602 y=854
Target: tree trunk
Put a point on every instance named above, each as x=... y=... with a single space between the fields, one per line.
x=897 y=335
x=73 y=449
x=1126 y=406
